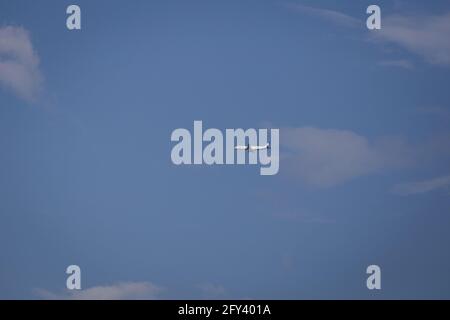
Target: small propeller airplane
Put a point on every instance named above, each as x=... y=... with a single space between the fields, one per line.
x=253 y=148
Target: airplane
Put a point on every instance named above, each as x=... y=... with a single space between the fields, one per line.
x=252 y=148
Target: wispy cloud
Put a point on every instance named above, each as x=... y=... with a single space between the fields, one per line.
x=327 y=157
x=333 y=16
x=441 y=112
x=120 y=291
x=417 y=187
x=424 y=35
x=303 y=216
x=19 y=63
x=405 y=64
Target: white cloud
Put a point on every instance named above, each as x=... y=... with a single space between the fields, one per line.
x=19 y=63
x=423 y=35
x=410 y=188
x=326 y=14
x=327 y=157
x=120 y=291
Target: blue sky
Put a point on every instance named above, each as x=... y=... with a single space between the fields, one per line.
x=85 y=170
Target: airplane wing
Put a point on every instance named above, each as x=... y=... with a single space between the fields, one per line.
x=256 y=148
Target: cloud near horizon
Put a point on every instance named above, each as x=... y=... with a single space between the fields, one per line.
x=19 y=64
x=119 y=291
x=212 y=291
